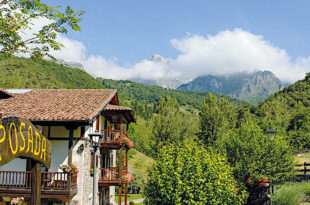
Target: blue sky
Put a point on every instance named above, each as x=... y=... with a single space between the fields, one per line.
x=126 y=31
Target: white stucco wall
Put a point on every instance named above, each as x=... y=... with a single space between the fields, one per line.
x=59 y=154
x=15 y=165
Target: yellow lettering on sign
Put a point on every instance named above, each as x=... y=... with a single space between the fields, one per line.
x=3 y=137
x=37 y=143
x=21 y=134
x=30 y=133
x=10 y=138
x=43 y=148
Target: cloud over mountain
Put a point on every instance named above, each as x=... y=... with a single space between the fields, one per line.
x=227 y=52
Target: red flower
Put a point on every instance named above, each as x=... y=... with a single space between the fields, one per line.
x=249 y=179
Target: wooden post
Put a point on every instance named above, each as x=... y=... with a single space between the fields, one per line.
x=120 y=167
x=126 y=161
x=70 y=144
x=126 y=193
x=126 y=173
x=70 y=147
x=120 y=170
x=35 y=183
x=120 y=194
x=121 y=127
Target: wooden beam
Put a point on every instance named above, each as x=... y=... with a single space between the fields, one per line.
x=70 y=145
x=120 y=164
x=126 y=193
x=35 y=183
x=126 y=160
x=120 y=194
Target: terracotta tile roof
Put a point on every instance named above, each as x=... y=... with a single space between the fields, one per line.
x=56 y=105
x=116 y=107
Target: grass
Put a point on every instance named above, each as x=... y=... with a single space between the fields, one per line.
x=291 y=193
x=138 y=164
x=130 y=197
x=305 y=157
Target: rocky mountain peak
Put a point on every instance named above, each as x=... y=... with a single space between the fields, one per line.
x=159 y=59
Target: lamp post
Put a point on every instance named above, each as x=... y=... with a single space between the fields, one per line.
x=271 y=133
x=94 y=143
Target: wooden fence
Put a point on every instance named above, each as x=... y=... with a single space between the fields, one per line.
x=303 y=172
x=305 y=168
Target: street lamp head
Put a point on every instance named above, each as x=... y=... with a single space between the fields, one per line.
x=271 y=133
x=94 y=139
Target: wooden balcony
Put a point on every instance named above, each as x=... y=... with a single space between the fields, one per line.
x=56 y=185
x=112 y=138
x=111 y=176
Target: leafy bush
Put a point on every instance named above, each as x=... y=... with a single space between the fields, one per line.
x=299 y=130
x=291 y=193
x=253 y=155
x=190 y=174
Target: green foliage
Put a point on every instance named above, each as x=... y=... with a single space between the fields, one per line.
x=291 y=193
x=284 y=111
x=252 y=155
x=217 y=117
x=142 y=136
x=138 y=165
x=169 y=125
x=16 y=16
x=299 y=130
x=190 y=174
x=16 y=72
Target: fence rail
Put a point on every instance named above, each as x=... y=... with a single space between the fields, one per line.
x=15 y=179
x=111 y=175
x=112 y=136
x=305 y=168
x=49 y=180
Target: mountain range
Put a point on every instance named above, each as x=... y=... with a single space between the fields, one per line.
x=252 y=87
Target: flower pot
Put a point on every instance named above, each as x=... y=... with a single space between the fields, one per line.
x=263 y=181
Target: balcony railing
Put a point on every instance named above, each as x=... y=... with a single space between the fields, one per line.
x=112 y=136
x=111 y=175
x=49 y=180
x=15 y=179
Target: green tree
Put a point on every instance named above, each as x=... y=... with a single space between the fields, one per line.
x=190 y=174
x=16 y=16
x=299 y=130
x=217 y=117
x=252 y=155
x=169 y=124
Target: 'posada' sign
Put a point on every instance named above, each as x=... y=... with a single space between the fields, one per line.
x=20 y=138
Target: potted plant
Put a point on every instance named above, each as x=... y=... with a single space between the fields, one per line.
x=17 y=201
x=91 y=171
x=128 y=142
x=69 y=168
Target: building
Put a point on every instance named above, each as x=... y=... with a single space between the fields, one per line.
x=67 y=117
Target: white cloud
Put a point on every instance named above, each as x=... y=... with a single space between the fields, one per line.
x=224 y=53
x=236 y=51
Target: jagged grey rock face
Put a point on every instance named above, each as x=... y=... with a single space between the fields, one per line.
x=159 y=59
x=241 y=85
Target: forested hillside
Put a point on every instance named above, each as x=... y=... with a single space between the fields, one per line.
x=130 y=90
x=16 y=72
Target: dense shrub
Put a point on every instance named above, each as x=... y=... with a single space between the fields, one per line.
x=191 y=174
x=253 y=155
x=299 y=130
